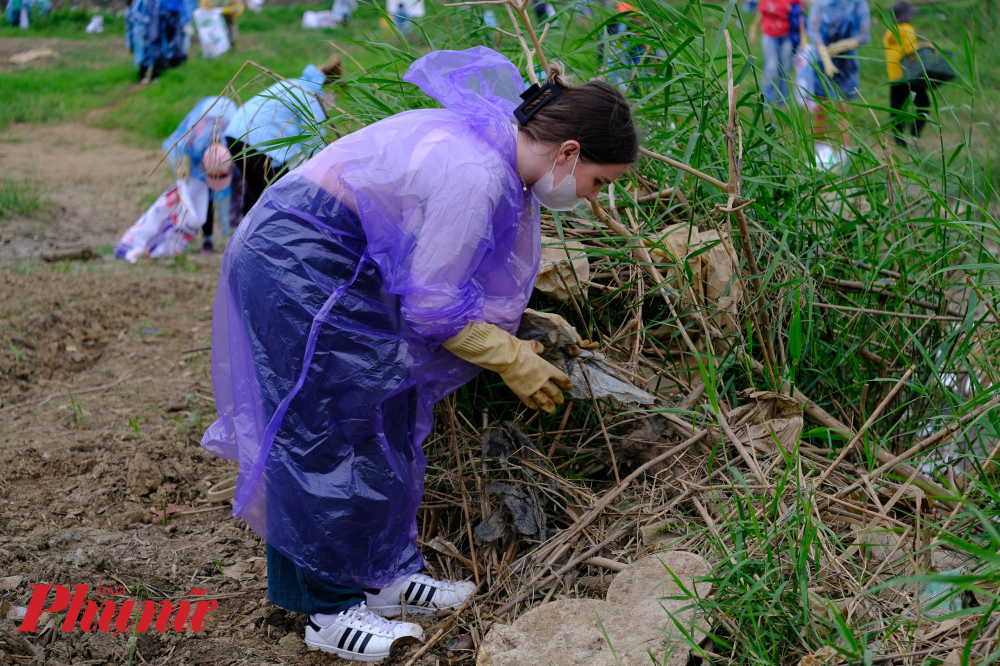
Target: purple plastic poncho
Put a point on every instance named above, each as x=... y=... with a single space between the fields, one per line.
x=335 y=294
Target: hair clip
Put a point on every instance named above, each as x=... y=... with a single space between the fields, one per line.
x=532 y=94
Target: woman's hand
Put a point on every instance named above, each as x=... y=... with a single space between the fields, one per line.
x=532 y=379
x=824 y=55
x=842 y=46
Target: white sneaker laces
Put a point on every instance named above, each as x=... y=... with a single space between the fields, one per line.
x=368 y=620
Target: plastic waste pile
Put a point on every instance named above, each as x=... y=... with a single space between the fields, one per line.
x=169 y=225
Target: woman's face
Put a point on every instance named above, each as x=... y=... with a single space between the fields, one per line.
x=590 y=176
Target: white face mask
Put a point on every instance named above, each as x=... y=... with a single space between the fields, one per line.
x=562 y=196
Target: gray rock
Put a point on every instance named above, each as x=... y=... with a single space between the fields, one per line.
x=569 y=632
x=77 y=559
x=292 y=643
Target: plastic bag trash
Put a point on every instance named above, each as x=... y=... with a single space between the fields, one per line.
x=169 y=225
x=255 y=5
x=940 y=598
x=562 y=352
x=17 y=613
x=212 y=32
x=829 y=158
x=96 y=25
x=323 y=19
x=557 y=278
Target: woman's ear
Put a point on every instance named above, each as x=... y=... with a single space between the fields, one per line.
x=568 y=151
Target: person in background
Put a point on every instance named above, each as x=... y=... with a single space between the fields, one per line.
x=838 y=28
x=19 y=12
x=194 y=151
x=231 y=11
x=343 y=10
x=899 y=90
x=174 y=16
x=782 y=25
x=279 y=112
x=154 y=33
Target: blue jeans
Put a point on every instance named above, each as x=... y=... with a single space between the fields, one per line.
x=777 y=68
x=295 y=589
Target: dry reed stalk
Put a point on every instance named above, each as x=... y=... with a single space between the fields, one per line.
x=871 y=420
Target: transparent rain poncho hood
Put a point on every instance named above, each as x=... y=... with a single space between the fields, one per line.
x=205 y=123
x=335 y=294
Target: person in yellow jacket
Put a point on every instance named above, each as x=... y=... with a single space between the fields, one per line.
x=899 y=44
x=231 y=10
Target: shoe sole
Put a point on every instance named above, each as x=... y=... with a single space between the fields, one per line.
x=393 y=611
x=344 y=654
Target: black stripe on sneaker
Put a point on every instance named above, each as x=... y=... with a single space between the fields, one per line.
x=364 y=643
x=343 y=638
x=354 y=640
x=420 y=593
x=409 y=591
x=315 y=627
x=430 y=595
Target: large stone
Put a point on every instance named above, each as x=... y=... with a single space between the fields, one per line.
x=635 y=617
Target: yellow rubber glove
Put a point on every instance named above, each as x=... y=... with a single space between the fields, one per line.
x=842 y=46
x=585 y=344
x=532 y=379
x=233 y=9
x=183 y=170
x=824 y=56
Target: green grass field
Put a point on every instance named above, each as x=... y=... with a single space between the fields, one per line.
x=100 y=75
x=96 y=73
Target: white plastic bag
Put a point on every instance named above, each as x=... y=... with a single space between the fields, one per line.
x=96 y=25
x=169 y=225
x=322 y=19
x=412 y=8
x=212 y=31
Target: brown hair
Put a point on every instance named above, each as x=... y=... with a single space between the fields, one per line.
x=595 y=114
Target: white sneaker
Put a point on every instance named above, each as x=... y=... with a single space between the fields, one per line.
x=358 y=634
x=423 y=595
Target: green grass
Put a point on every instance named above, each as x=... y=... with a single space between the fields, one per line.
x=97 y=73
x=19 y=198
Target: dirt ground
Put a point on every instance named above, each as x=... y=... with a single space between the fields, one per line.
x=105 y=390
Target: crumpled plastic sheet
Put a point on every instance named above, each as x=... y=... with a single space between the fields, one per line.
x=335 y=293
x=518 y=510
x=601 y=377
